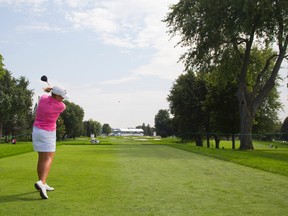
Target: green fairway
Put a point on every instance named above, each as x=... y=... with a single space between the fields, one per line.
x=136 y=177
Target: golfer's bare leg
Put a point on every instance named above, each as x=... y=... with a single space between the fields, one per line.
x=45 y=160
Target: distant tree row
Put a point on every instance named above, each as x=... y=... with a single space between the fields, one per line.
x=148 y=130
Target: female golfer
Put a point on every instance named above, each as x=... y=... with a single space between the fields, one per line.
x=44 y=133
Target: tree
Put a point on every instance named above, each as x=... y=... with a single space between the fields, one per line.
x=60 y=129
x=92 y=127
x=106 y=129
x=15 y=103
x=209 y=29
x=186 y=101
x=214 y=105
x=147 y=130
x=222 y=110
x=284 y=130
x=163 y=123
x=150 y=130
x=221 y=101
x=73 y=119
x=266 y=121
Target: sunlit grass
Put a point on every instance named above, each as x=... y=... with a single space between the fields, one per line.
x=133 y=176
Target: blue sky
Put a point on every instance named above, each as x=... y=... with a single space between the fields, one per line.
x=115 y=58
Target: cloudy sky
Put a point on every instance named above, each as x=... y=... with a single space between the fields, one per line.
x=114 y=57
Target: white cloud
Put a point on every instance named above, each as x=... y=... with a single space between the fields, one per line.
x=45 y=27
x=98 y=19
x=123 y=23
x=34 y=6
x=136 y=28
x=72 y=3
x=19 y=2
x=140 y=26
x=120 y=81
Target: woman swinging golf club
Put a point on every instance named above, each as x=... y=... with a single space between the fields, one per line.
x=44 y=133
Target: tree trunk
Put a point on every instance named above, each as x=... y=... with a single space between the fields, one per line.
x=208 y=140
x=217 y=141
x=199 y=141
x=233 y=141
x=246 y=118
x=1 y=128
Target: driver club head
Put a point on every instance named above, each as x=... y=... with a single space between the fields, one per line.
x=44 y=78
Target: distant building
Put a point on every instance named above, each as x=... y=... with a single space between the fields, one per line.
x=127 y=132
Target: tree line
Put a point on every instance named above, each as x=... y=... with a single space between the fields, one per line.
x=230 y=44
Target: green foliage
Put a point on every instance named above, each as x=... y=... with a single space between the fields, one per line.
x=106 y=129
x=60 y=130
x=73 y=119
x=15 y=104
x=186 y=99
x=208 y=28
x=163 y=123
x=284 y=130
x=148 y=131
x=222 y=107
x=92 y=127
x=246 y=29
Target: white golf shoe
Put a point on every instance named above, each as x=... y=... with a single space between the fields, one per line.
x=42 y=188
x=48 y=188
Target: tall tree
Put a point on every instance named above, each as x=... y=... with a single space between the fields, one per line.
x=284 y=130
x=60 y=129
x=147 y=130
x=15 y=103
x=92 y=127
x=106 y=129
x=208 y=29
x=163 y=123
x=150 y=130
x=221 y=83
x=73 y=119
x=186 y=100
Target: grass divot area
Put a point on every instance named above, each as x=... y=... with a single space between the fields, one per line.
x=134 y=177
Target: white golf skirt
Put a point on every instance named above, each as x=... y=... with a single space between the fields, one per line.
x=44 y=141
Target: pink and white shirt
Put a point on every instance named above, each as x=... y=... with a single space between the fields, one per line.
x=48 y=112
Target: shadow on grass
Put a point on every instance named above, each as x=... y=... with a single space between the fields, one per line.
x=19 y=197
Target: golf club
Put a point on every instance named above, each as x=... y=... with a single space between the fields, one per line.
x=45 y=79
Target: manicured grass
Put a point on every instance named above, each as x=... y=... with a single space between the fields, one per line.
x=263 y=158
x=133 y=176
x=8 y=149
